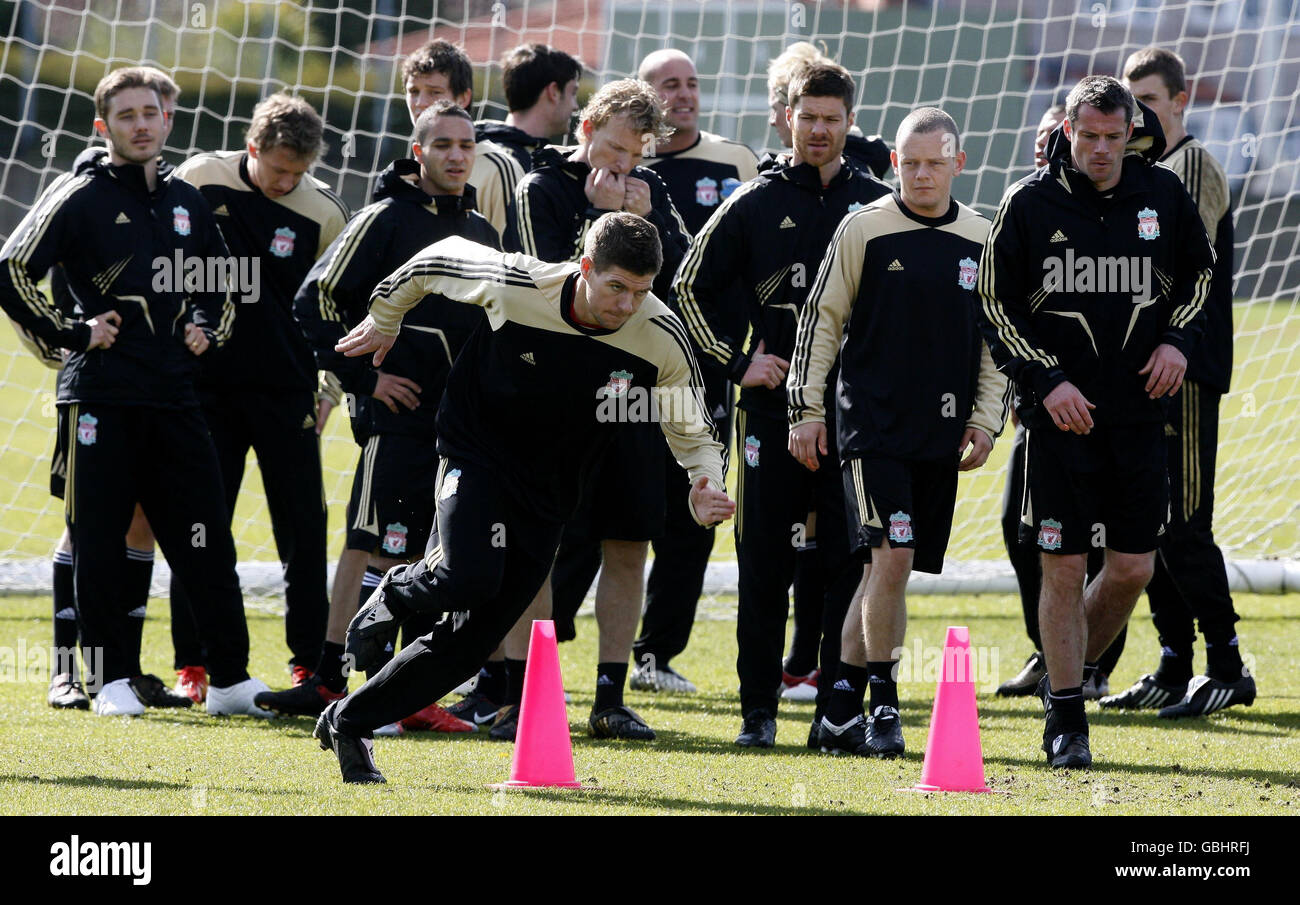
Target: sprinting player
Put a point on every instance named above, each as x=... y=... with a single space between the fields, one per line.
x=1190 y=579
x=623 y=505
x=259 y=391
x=1023 y=551
x=541 y=89
x=442 y=71
x=136 y=432
x=421 y=199
x=896 y=285
x=701 y=170
x=766 y=242
x=559 y=338
x=1092 y=358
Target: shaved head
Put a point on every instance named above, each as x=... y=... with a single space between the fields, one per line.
x=655 y=61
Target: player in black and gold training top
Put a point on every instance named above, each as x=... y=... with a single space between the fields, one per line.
x=259 y=391
x=541 y=89
x=419 y=201
x=917 y=387
x=701 y=171
x=1190 y=579
x=519 y=426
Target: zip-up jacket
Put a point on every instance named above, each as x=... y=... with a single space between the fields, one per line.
x=108 y=231
x=868 y=154
x=701 y=177
x=514 y=141
x=335 y=296
x=1080 y=287
x=768 y=238
x=551 y=214
x=285 y=235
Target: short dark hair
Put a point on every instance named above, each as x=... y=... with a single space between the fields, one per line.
x=529 y=68
x=285 y=121
x=445 y=57
x=626 y=241
x=924 y=120
x=1103 y=92
x=1157 y=61
x=121 y=80
x=444 y=107
x=822 y=78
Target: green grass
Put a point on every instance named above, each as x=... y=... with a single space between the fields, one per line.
x=1241 y=761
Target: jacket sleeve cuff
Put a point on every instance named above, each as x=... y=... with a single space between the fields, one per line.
x=1043 y=380
x=737 y=367
x=1178 y=339
x=79 y=337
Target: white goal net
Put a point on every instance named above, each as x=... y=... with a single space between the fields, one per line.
x=994 y=66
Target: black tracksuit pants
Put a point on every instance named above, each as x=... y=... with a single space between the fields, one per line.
x=489 y=557
x=775 y=494
x=164 y=459
x=280 y=428
x=1190 y=578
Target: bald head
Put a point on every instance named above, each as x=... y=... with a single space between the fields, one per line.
x=672 y=73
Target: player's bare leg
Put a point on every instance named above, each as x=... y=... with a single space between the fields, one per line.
x=1063 y=626
x=1108 y=600
x=620 y=591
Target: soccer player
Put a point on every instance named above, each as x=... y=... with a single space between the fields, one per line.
x=259 y=391
x=136 y=432
x=560 y=339
x=896 y=286
x=766 y=241
x=541 y=88
x=700 y=170
x=623 y=504
x=1092 y=283
x=1190 y=579
x=442 y=71
x=420 y=200
x=1023 y=551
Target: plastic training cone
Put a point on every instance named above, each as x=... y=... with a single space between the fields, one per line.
x=543 y=752
x=954 y=761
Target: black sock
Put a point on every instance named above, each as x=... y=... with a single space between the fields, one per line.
x=1223 y=661
x=492 y=681
x=329 y=668
x=1175 y=665
x=1065 y=712
x=135 y=590
x=514 y=681
x=65 y=616
x=884 y=689
x=847 y=693
x=610 y=678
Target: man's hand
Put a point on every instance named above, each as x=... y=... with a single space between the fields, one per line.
x=765 y=370
x=1166 y=366
x=605 y=190
x=980 y=445
x=710 y=506
x=1069 y=408
x=365 y=337
x=103 y=330
x=636 y=196
x=806 y=441
x=196 y=340
x=391 y=389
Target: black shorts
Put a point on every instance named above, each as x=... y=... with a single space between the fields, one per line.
x=392 y=506
x=623 y=498
x=1109 y=489
x=908 y=502
x=59 y=461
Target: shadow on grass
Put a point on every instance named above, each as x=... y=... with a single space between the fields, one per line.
x=97 y=782
x=1103 y=764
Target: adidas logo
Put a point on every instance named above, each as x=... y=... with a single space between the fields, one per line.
x=843 y=685
x=308 y=421
x=66 y=613
x=1170 y=431
x=604 y=680
x=894 y=265
x=528 y=357
x=221 y=211
x=138 y=613
x=1058 y=236
x=122 y=218
x=787 y=223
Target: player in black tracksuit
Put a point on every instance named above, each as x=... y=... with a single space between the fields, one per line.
x=136 y=432
x=259 y=391
x=1083 y=289
x=768 y=239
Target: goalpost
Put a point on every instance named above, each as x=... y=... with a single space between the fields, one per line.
x=995 y=66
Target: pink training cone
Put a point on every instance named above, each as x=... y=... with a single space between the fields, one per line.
x=954 y=761
x=543 y=752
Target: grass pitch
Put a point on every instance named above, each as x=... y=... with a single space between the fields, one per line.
x=1240 y=761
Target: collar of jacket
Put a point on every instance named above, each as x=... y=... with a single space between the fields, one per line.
x=808 y=176
x=400 y=181
x=130 y=176
x=491 y=130
x=90 y=158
